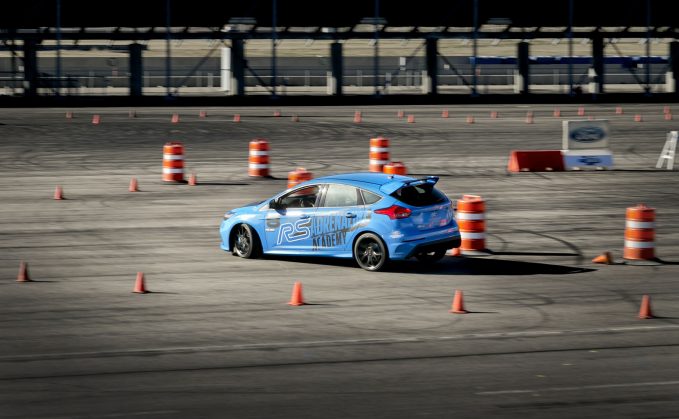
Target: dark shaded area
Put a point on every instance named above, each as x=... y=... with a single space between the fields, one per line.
x=347 y=13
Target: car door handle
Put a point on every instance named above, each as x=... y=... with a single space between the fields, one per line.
x=304 y=217
x=350 y=215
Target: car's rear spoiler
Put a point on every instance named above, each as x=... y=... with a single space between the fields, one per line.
x=391 y=187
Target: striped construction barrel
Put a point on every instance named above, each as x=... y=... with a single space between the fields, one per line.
x=471 y=219
x=395 y=168
x=640 y=233
x=298 y=176
x=173 y=162
x=258 y=159
x=379 y=154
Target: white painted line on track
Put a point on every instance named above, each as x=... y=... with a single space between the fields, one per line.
x=324 y=343
x=577 y=388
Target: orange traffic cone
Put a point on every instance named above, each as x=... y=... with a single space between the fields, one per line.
x=668 y=116
x=455 y=251
x=193 y=181
x=458 y=304
x=358 y=117
x=133 y=185
x=581 y=111
x=493 y=115
x=557 y=113
x=69 y=115
x=470 y=119
x=23 y=273
x=618 y=110
x=400 y=114
x=666 y=109
x=236 y=118
x=202 y=114
x=132 y=114
x=605 y=258
x=58 y=193
x=638 y=118
x=276 y=113
x=139 y=287
x=295 y=118
x=411 y=119
x=645 y=310
x=96 y=119
x=444 y=114
x=529 y=117
x=175 y=118
x=297 y=299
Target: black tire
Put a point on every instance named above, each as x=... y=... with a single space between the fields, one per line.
x=431 y=257
x=370 y=252
x=246 y=242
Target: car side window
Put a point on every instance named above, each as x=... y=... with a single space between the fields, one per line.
x=370 y=198
x=341 y=196
x=301 y=198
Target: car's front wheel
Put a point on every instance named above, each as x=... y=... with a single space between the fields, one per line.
x=245 y=242
x=430 y=257
x=370 y=252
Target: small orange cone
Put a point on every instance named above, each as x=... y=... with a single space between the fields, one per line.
x=645 y=310
x=236 y=118
x=295 y=118
x=470 y=119
x=133 y=185
x=581 y=111
x=493 y=115
x=358 y=117
x=604 y=258
x=193 y=180
x=202 y=114
x=638 y=118
x=276 y=113
x=529 y=117
x=666 y=110
x=668 y=116
x=58 y=193
x=411 y=119
x=23 y=273
x=444 y=114
x=400 y=114
x=96 y=119
x=139 y=287
x=132 y=114
x=175 y=118
x=69 y=115
x=455 y=251
x=297 y=299
x=557 y=113
x=618 y=110
x=458 y=304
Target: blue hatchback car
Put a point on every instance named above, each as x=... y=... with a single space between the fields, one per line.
x=371 y=217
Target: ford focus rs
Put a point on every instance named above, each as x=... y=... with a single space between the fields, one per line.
x=371 y=217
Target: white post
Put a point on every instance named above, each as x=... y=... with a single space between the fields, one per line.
x=225 y=70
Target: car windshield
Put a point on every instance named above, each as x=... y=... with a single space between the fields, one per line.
x=419 y=195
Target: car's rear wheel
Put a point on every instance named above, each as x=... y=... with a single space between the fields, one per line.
x=370 y=252
x=430 y=257
x=245 y=242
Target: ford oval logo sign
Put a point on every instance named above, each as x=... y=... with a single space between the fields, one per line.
x=589 y=160
x=587 y=134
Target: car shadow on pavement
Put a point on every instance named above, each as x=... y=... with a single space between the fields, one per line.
x=450 y=266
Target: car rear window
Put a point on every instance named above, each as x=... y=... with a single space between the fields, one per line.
x=419 y=195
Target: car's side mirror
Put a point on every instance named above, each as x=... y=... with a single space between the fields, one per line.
x=274 y=204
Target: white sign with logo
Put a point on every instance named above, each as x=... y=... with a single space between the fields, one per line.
x=585 y=145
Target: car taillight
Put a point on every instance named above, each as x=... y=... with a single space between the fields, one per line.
x=395 y=212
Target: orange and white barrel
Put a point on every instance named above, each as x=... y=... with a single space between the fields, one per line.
x=395 y=168
x=471 y=219
x=258 y=160
x=640 y=233
x=173 y=162
x=298 y=176
x=379 y=154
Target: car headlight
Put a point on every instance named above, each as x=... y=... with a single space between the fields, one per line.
x=228 y=215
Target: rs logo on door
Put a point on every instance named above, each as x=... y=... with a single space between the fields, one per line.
x=292 y=232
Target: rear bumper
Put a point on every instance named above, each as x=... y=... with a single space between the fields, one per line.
x=405 y=250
